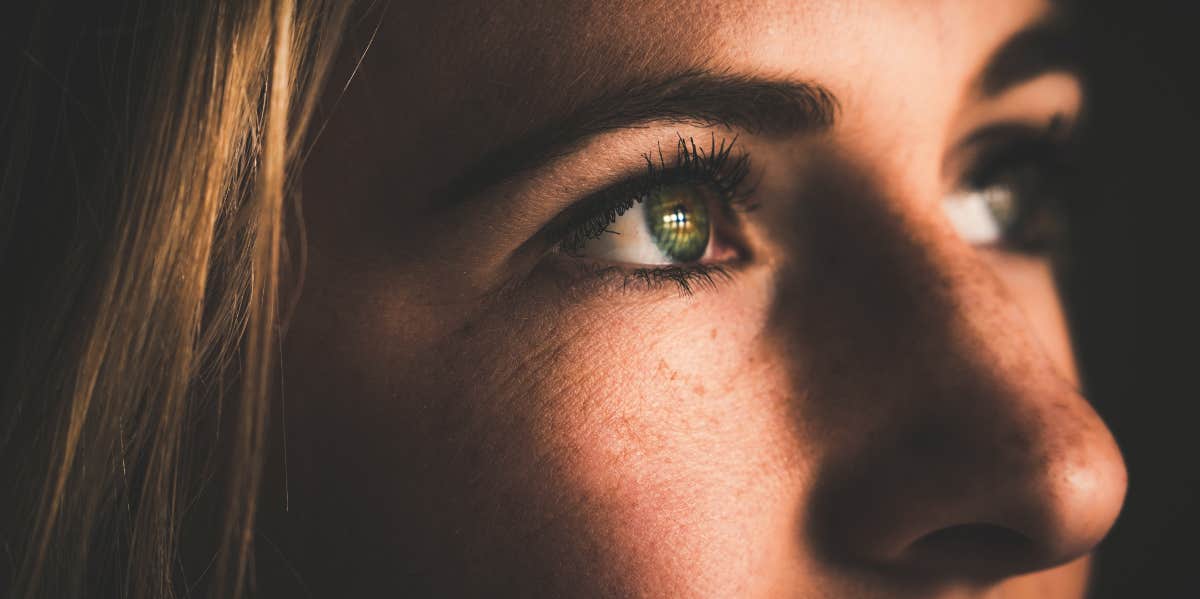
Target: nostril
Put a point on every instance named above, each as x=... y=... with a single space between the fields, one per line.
x=991 y=539
x=974 y=550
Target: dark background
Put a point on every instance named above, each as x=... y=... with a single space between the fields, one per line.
x=1129 y=292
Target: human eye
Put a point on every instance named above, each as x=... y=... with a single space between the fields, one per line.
x=675 y=223
x=1010 y=199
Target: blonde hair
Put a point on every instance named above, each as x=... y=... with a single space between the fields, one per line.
x=153 y=336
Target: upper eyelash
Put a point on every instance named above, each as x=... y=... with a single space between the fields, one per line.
x=717 y=166
x=1052 y=147
x=1054 y=158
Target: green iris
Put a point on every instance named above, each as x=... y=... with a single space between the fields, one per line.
x=677 y=216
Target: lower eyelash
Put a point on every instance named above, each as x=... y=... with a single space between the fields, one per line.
x=588 y=278
x=689 y=278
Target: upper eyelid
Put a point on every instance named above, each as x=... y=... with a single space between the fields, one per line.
x=963 y=159
x=539 y=203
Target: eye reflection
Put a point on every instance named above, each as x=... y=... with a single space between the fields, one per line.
x=984 y=216
x=677 y=217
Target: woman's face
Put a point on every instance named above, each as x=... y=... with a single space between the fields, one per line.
x=706 y=299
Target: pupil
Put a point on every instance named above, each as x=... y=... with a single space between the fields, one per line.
x=677 y=217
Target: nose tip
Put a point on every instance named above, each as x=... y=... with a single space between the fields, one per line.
x=1095 y=494
x=1085 y=500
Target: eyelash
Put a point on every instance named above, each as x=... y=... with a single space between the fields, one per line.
x=688 y=278
x=718 y=166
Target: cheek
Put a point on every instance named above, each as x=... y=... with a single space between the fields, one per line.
x=1031 y=285
x=670 y=429
x=604 y=442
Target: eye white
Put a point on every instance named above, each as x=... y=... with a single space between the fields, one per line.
x=628 y=240
x=981 y=216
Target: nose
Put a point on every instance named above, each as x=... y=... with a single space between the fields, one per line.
x=994 y=479
x=955 y=446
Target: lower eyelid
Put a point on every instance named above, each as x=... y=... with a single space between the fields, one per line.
x=689 y=279
x=583 y=278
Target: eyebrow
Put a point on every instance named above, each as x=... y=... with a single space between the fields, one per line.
x=759 y=106
x=1049 y=45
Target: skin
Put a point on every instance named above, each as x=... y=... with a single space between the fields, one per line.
x=868 y=407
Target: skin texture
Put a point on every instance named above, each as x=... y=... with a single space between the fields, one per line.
x=867 y=407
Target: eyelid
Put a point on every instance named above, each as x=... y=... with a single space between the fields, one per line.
x=1035 y=104
x=541 y=198
x=986 y=145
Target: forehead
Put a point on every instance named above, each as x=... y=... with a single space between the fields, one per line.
x=452 y=80
x=555 y=52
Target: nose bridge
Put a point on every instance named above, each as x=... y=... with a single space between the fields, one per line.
x=883 y=282
x=943 y=413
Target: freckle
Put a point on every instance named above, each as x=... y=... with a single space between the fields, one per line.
x=712 y=334
x=699 y=389
x=466 y=330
